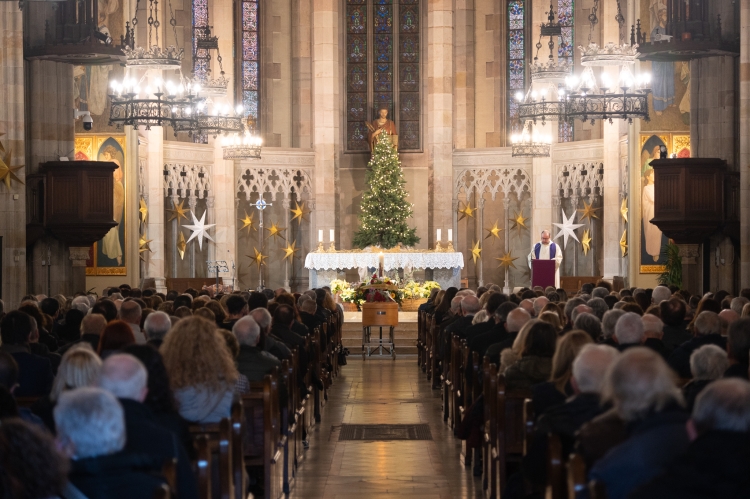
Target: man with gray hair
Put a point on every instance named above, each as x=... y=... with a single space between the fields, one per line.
x=706 y=331
x=156 y=326
x=629 y=331
x=644 y=395
x=527 y=305
x=599 y=292
x=588 y=375
x=130 y=312
x=609 y=321
x=598 y=306
x=252 y=361
x=270 y=343
x=469 y=307
x=515 y=320
x=91 y=431
x=92 y=327
x=708 y=363
x=590 y=324
x=539 y=304
x=738 y=303
x=569 y=306
x=660 y=294
x=125 y=377
x=718 y=457
x=81 y=303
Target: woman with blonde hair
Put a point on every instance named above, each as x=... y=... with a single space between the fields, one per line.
x=80 y=366
x=510 y=356
x=558 y=388
x=554 y=307
x=201 y=370
x=551 y=317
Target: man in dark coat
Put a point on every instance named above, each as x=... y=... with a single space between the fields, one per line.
x=589 y=370
x=236 y=309
x=92 y=327
x=267 y=341
x=91 y=431
x=738 y=348
x=35 y=372
x=672 y=313
x=717 y=460
x=307 y=310
x=707 y=331
x=281 y=327
x=511 y=320
x=126 y=378
x=495 y=300
x=252 y=361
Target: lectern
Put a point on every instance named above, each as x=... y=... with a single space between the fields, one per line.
x=543 y=273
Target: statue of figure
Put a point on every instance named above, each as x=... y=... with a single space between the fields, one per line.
x=382 y=125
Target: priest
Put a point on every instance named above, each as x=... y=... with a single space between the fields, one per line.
x=547 y=250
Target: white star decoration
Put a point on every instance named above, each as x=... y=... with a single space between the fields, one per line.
x=200 y=229
x=568 y=228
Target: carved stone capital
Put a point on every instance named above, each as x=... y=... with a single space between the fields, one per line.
x=689 y=253
x=79 y=255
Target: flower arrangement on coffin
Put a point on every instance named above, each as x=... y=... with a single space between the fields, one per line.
x=380 y=289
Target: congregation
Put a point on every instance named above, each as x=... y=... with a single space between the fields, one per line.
x=113 y=397
x=642 y=392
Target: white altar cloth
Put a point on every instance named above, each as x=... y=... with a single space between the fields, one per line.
x=391 y=261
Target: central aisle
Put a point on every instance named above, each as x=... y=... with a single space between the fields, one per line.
x=383 y=392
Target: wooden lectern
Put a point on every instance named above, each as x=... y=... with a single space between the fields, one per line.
x=543 y=273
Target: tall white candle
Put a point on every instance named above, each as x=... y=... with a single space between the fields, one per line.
x=333 y=234
x=450 y=234
x=439 y=233
x=320 y=235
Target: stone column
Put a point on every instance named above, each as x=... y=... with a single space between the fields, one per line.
x=439 y=135
x=155 y=180
x=744 y=159
x=224 y=213
x=12 y=123
x=301 y=74
x=78 y=257
x=611 y=155
x=326 y=120
x=465 y=80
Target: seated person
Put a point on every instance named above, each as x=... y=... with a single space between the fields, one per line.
x=252 y=361
x=34 y=372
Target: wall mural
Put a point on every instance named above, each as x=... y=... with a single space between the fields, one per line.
x=107 y=256
x=653 y=241
x=669 y=102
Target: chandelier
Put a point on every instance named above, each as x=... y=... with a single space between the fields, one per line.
x=166 y=103
x=152 y=56
x=530 y=144
x=206 y=42
x=535 y=106
x=245 y=145
x=625 y=99
x=223 y=120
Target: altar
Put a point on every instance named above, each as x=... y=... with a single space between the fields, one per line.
x=327 y=266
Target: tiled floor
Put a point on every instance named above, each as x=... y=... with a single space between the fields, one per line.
x=383 y=391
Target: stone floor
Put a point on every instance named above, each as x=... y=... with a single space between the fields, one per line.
x=379 y=391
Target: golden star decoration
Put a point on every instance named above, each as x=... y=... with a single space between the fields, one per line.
x=8 y=172
x=476 y=252
x=299 y=212
x=247 y=223
x=466 y=211
x=519 y=222
x=259 y=258
x=290 y=250
x=494 y=231
x=143 y=246
x=178 y=211
x=143 y=211
x=275 y=231
x=624 y=243
x=181 y=245
x=588 y=211
x=586 y=242
x=507 y=260
x=624 y=209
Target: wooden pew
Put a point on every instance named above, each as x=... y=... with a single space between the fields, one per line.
x=203 y=466
x=420 y=337
x=556 y=487
x=446 y=383
x=219 y=440
x=577 y=485
x=489 y=473
x=510 y=429
x=456 y=376
x=471 y=392
x=529 y=419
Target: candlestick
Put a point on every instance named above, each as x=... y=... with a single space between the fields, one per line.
x=439 y=233
x=450 y=234
x=333 y=234
x=381 y=264
x=320 y=235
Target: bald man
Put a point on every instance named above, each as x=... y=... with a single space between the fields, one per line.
x=126 y=378
x=547 y=250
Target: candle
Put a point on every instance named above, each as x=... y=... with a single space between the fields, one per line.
x=439 y=233
x=381 y=260
x=450 y=234
x=320 y=235
x=333 y=233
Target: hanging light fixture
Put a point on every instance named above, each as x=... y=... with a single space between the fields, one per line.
x=152 y=56
x=530 y=144
x=245 y=145
x=206 y=42
x=223 y=120
x=626 y=98
x=546 y=78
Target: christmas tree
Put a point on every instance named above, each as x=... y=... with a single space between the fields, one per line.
x=384 y=206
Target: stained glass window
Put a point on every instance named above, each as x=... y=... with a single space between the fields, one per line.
x=565 y=15
x=382 y=69
x=516 y=60
x=249 y=60
x=201 y=57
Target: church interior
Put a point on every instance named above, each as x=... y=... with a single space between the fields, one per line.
x=238 y=166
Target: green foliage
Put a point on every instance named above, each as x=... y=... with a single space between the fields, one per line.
x=384 y=206
x=672 y=275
